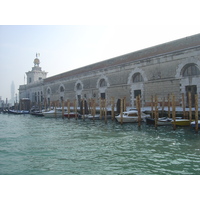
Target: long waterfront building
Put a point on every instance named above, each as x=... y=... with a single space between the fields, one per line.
x=169 y=68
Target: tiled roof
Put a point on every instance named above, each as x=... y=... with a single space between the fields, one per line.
x=168 y=47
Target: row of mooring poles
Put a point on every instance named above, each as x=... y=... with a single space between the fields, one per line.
x=68 y=109
x=154 y=108
x=103 y=109
x=172 y=104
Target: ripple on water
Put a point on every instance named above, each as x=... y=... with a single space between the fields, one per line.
x=33 y=145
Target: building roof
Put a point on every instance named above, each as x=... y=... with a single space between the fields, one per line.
x=169 y=47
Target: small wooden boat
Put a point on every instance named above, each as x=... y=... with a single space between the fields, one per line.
x=72 y=115
x=18 y=112
x=163 y=121
x=58 y=112
x=53 y=113
x=181 y=122
x=193 y=124
x=37 y=113
x=130 y=116
x=5 y=111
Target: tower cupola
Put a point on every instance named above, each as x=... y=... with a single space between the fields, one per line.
x=36 y=62
x=36 y=74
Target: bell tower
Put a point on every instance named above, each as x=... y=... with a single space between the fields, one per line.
x=36 y=74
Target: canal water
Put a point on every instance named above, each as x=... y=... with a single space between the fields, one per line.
x=32 y=145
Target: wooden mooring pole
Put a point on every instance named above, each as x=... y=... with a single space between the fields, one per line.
x=68 y=108
x=196 y=113
x=139 y=110
x=152 y=107
x=190 y=106
x=55 y=114
x=63 y=109
x=93 y=108
x=174 y=112
x=156 y=111
x=163 y=104
x=83 y=109
x=121 y=111
x=105 y=111
x=113 y=105
x=124 y=104
x=169 y=114
x=183 y=106
x=75 y=108
x=100 y=103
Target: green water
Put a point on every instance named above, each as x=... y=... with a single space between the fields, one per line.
x=37 y=145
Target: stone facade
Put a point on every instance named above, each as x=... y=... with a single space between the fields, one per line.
x=170 y=68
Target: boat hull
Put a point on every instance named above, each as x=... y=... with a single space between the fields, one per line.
x=51 y=115
x=161 y=121
x=72 y=115
x=130 y=116
x=193 y=124
x=181 y=122
x=37 y=113
x=97 y=116
x=18 y=112
x=127 y=119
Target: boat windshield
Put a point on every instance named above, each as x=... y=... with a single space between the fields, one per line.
x=132 y=114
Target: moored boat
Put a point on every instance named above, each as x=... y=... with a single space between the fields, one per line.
x=181 y=122
x=72 y=115
x=130 y=116
x=18 y=112
x=53 y=113
x=163 y=121
x=193 y=124
x=37 y=113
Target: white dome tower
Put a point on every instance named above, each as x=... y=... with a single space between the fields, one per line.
x=36 y=74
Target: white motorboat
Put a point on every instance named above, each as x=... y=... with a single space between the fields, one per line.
x=57 y=112
x=163 y=121
x=131 y=116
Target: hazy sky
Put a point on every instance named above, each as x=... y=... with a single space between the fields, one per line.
x=98 y=33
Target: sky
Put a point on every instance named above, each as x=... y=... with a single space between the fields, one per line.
x=79 y=33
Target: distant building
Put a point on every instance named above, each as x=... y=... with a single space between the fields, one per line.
x=12 y=93
x=34 y=87
x=4 y=104
x=36 y=74
x=170 y=68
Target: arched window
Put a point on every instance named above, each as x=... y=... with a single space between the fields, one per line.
x=102 y=83
x=190 y=70
x=62 y=89
x=48 y=91
x=137 y=77
x=78 y=86
x=35 y=96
